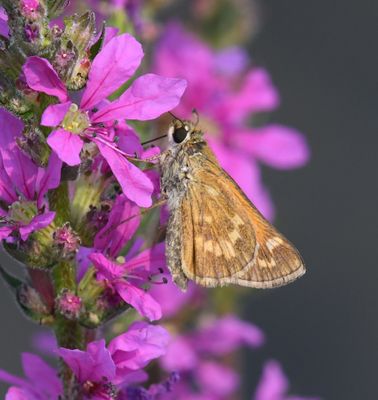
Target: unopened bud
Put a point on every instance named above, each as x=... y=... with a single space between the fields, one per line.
x=69 y=305
x=31 y=302
x=30 y=9
x=66 y=241
x=31 y=32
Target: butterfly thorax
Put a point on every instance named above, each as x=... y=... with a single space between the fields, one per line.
x=177 y=166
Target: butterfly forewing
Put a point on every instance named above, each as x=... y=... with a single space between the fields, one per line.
x=223 y=238
x=230 y=241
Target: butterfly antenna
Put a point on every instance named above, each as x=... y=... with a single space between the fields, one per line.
x=153 y=140
x=196 y=115
x=174 y=116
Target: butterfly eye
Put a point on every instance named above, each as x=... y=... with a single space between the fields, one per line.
x=180 y=134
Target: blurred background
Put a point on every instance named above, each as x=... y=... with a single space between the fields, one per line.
x=323 y=329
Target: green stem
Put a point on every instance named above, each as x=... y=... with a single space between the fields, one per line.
x=69 y=333
x=60 y=203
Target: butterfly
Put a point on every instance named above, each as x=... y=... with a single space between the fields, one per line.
x=215 y=235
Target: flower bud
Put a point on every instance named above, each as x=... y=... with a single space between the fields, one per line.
x=32 y=304
x=30 y=9
x=66 y=241
x=69 y=305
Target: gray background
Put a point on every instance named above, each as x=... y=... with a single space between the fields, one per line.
x=323 y=57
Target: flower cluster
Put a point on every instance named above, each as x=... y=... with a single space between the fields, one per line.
x=76 y=181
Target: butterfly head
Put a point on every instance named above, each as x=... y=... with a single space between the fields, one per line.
x=182 y=131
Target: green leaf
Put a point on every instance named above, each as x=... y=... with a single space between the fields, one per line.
x=13 y=282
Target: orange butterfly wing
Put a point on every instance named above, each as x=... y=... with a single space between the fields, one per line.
x=227 y=240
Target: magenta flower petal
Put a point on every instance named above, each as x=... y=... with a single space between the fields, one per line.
x=66 y=145
x=4 y=29
x=276 y=145
x=83 y=261
x=257 y=94
x=134 y=182
x=15 y=393
x=115 y=234
x=138 y=298
x=42 y=376
x=148 y=262
x=79 y=361
x=273 y=384
x=93 y=365
x=112 y=67
x=180 y=356
x=129 y=141
x=110 y=33
x=38 y=222
x=19 y=168
x=45 y=342
x=54 y=114
x=7 y=191
x=231 y=60
x=217 y=379
x=227 y=334
x=147 y=98
x=41 y=76
x=12 y=379
x=5 y=231
x=141 y=344
x=106 y=269
x=164 y=294
x=48 y=178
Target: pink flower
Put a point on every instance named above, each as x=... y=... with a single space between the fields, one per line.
x=126 y=278
x=114 y=235
x=133 y=350
x=103 y=369
x=196 y=357
x=41 y=382
x=226 y=96
x=274 y=385
x=147 y=98
x=23 y=185
x=227 y=334
x=164 y=294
